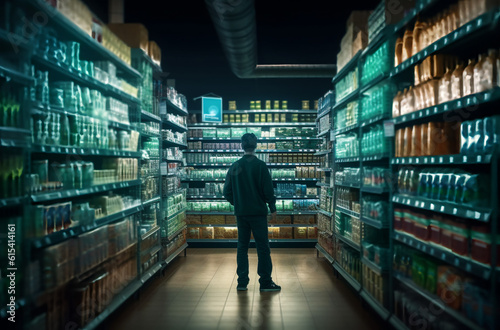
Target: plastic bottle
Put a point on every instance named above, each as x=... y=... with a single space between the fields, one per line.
x=407 y=45
x=468 y=78
x=456 y=82
x=445 y=87
x=398 y=58
x=489 y=70
x=478 y=74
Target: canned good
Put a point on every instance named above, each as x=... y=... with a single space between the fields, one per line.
x=276 y=104
x=257 y=105
x=252 y=105
x=232 y=105
x=305 y=105
x=284 y=105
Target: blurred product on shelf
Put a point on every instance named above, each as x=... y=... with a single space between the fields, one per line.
x=347 y=146
x=347 y=85
x=170 y=185
x=324 y=124
x=348 y=226
x=150 y=128
x=374 y=142
x=80 y=175
x=446 y=184
x=441 y=78
x=135 y=35
x=172 y=136
x=227 y=158
x=324 y=224
x=326 y=199
x=427 y=32
x=348 y=198
x=179 y=120
x=10 y=106
x=12 y=174
x=355 y=39
x=151 y=147
x=377 y=102
x=376 y=209
x=172 y=246
x=481 y=136
x=376 y=177
x=238 y=132
x=348 y=259
x=430 y=139
x=178 y=99
x=376 y=64
x=348 y=176
x=347 y=116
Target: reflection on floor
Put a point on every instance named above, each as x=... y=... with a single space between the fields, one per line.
x=199 y=292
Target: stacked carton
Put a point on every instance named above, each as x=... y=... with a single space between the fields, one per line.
x=355 y=39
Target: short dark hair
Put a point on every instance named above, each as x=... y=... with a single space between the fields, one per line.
x=249 y=142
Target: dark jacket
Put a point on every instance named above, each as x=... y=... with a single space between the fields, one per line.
x=249 y=187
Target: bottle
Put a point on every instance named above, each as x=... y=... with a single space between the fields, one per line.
x=445 y=87
x=411 y=100
x=407 y=151
x=456 y=82
x=417 y=36
x=416 y=143
x=396 y=105
x=424 y=150
x=407 y=45
x=468 y=78
x=398 y=57
x=489 y=70
x=478 y=72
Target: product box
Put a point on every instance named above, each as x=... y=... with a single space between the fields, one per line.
x=193 y=233
x=135 y=35
x=286 y=233
x=219 y=232
x=154 y=52
x=312 y=232
x=300 y=233
x=223 y=133
x=209 y=133
x=193 y=219
x=309 y=219
x=274 y=233
x=237 y=132
x=207 y=233
x=283 y=219
x=230 y=219
x=255 y=130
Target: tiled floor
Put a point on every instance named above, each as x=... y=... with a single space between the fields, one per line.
x=199 y=292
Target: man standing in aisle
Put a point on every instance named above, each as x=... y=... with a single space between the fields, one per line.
x=249 y=188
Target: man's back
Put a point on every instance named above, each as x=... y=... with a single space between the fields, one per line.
x=249 y=187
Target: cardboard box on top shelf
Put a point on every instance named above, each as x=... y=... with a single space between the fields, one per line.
x=135 y=35
x=154 y=52
x=359 y=43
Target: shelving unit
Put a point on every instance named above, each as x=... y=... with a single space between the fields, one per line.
x=466 y=42
x=40 y=239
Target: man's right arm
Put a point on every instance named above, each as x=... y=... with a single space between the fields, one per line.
x=268 y=189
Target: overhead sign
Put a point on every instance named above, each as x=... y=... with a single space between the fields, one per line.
x=211 y=110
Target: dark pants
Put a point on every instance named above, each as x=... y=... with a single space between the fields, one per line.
x=258 y=226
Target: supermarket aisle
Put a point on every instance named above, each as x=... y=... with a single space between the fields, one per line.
x=199 y=292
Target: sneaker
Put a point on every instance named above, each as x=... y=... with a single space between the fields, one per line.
x=270 y=287
x=241 y=288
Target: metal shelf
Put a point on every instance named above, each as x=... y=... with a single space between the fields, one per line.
x=348 y=98
x=397 y=323
x=212 y=125
x=175 y=254
x=484 y=21
x=323 y=113
x=16 y=76
x=374 y=158
x=374 y=223
x=464 y=102
x=375 y=190
x=71 y=193
x=434 y=299
x=463 y=263
x=176 y=233
x=149 y=116
x=351 y=65
x=375 y=304
x=174 y=126
x=226 y=240
x=150 y=232
x=348 y=185
x=194 y=225
x=286 y=138
x=459 y=210
x=373 y=266
x=323 y=152
x=171 y=144
x=347 y=241
x=345 y=129
x=374 y=120
x=12 y=137
x=328 y=214
x=257 y=150
x=176 y=213
x=13 y=201
x=84 y=151
x=142 y=53
x=174 y=192
x=63 y=235
x=347 y=211
x=347 y=160
x=175 y=107
x=326 y=254
x=323 y=133
x=150 y=135
x=152 y=201
x=200 y=197
x=372 y=83
x=269 y=164
x=324 y=169
x=151 y=271
x=77 y=76
x=444 y=160
x=348 y=277
x=232 y=213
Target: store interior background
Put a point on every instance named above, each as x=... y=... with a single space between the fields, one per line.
x=288 y=32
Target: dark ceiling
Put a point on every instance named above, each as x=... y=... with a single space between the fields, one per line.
x=287 y=32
